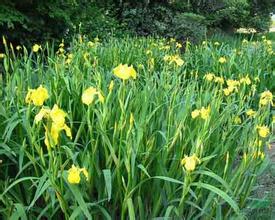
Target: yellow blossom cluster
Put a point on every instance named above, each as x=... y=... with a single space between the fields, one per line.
x=55 y=116
x=232 y=85
x=204 y=113
x=211 y=77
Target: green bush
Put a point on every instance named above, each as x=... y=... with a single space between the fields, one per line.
x=34 y=21
x=189 y=25
x=163 y=21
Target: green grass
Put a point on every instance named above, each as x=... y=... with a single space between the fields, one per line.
x=132 y=144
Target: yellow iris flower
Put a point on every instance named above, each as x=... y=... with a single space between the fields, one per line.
x=74 y=174
x=125 y=72
x=263 y=131
x=190 y=162
x=89 y=94
x=37 y=96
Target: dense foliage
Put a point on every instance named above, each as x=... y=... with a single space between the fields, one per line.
x=84 y=137
x=33 y=20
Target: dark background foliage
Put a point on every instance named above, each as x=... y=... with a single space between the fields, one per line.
x=29 y=21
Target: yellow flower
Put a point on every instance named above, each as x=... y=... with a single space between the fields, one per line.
x=232 y=83
x=176 y=59
x=195 y=113
x=54 y=133
x=89 y=95
x=37 y=96
x=53 y=130
x=263 y=131
x=41 y=114
x=250 y=113
x=18 y=47
x=190 y=162
x=216 y=43
x=100 y=97
x=237 y=120
x=257 y=79
x=67 y=131
x=245 y=157
x=4 y=40
x=266 y=98
x=209 y=76
x=2 y=55
x=205 y=112
x=111 y=86
x=149 y=52
x=125 y=72
x=222 y=60
x=246 y=80
x=151 y=63
x=178 y=45
x=61 y=44
x=85 y=173
x=91 y=44
x=227 y=91
x=269 y=42
x=172 y=39
x=46 y=141
x=58 y=116
x=74 y=175
x=167 y=58
x=218 y=79
x=36 y=48
x=132 y=119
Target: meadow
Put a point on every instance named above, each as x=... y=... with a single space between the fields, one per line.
x=134 y=128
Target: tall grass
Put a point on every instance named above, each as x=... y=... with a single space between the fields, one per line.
x=133 y=143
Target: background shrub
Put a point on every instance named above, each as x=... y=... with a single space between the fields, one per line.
x=33 y=21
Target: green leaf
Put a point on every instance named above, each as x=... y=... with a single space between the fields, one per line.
x=216 y=177
x=43 y=185
x=131 y=209
x=78 y=196
x=169 y=179
x=168 y=211
x=19 y=212
x=140 y=166
x=108 y=182
x=15 y=183
x=219 y=192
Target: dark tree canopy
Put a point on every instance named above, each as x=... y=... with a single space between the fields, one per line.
x=37 y=20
